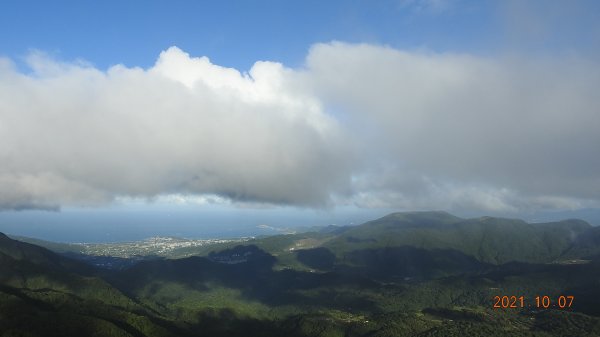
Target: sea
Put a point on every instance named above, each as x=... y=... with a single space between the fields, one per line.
x=121 y=224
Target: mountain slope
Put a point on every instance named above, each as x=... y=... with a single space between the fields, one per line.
x=44 y=294
x=489 y=240
x=403 y=275
x=406 y=274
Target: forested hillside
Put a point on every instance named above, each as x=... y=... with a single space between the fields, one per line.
x=406 y=274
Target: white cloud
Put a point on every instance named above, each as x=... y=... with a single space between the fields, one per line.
x=71 y=134
x=361 y=124
x=478 y=127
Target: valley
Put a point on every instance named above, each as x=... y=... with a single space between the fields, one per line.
x=406 y=274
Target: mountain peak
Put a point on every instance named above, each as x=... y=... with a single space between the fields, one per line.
x=421 y=218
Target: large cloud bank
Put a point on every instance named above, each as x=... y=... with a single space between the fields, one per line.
x=72 y=134
x=360 y=124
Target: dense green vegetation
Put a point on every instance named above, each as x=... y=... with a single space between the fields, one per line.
x=407 y=274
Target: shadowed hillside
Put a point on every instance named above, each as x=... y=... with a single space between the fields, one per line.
x=406 y=274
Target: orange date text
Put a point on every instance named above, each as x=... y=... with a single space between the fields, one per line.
x=540 y=302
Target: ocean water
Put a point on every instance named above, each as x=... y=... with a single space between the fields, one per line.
x=137 y=223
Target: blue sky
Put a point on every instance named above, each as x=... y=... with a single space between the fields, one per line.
x=238 y=33
x=324 y=110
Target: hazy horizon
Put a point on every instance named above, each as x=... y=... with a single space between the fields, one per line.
x=125 y=225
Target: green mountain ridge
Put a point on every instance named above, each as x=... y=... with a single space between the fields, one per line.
x=490 y=240
x=405 y=274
